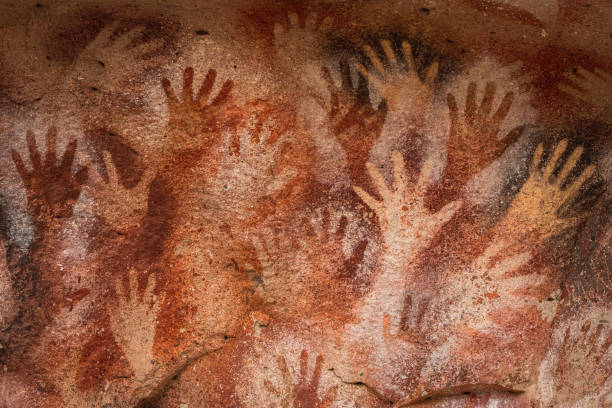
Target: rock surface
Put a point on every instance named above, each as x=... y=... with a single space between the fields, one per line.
x=358 y=203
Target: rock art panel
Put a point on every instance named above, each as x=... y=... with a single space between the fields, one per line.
x=356 y=204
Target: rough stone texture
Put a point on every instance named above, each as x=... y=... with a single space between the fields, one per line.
x=352 y=203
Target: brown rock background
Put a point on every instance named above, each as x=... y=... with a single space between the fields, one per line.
x=354 y=203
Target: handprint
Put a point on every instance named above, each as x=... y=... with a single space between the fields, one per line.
x=472 y=143
x=120 y=207
x=51 y=189
x=401 y=87
x=580 y=369
x=110 y=59
x=296 y=43
x=536 y=206
x=251 y=164
x=193 y=120
x=133 y=321
x=304 y=393
x=405 y=222
x=352 y=119
x=489 y=286
x=411 y=326
x=593 y=88
x=331 y=239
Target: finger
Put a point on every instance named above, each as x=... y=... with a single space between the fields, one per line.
x=333 y=92
x=373 y=57
x=279 y=30
x=602 y=74
x=303 y=365
x=119 y=290
x=577 y=184
x=575 y=92
x=206 y=87
x=111 y=170
x=320 y=100
x=147 y=177
x=593 y=338
x=311 y=22
x=342 y=225
x=502 y=111
x=68 y=158
x=400 y=176
x=379 y=181
x=552 y=162
x=370 y=201
x=363 y=91
x=345 y=74
x=133 y=281
x=487 y=101
x=470 y=103
x=148 y=294
x=407 y=50
x=223 y=94
x=188 y=85
x=453 y=110
x=316 y=375
x=432 y=74
x=260 y=251
x=327 y=24
x=447 y=212
x=569 y=165
x=21 y=168
x=513 y=263
x=588 y=75
x=33 y=148
x=147 y=47
x=509 y=139
x=386 y=45
x=172 y=99
x=294 y=21
x=376 y=83
x=282 y=180
x=50 y=156
x=97 y=179
x=104 y=35
x=536 y=160
x=80 y=177
x=386 y=325
x=127 y=38
x=425 y=175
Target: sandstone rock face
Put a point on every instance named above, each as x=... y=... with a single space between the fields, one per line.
x=357 y=203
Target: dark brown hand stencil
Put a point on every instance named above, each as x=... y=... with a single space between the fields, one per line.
x=51 y=188
x=193 y=119
x=352 y=119
x=472 y=143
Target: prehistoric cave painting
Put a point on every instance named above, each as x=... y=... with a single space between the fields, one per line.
x=576 y=370
x=111 y=53
x=400 y=85
x=363 y=204
x=51 y=188
x=304 y=391
x=591 y=87
x=352 y=119
x=542 y=196
x=297 y=43
x=133 y=321
x=122 y=208
x=193 y=119
x=475 y=130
